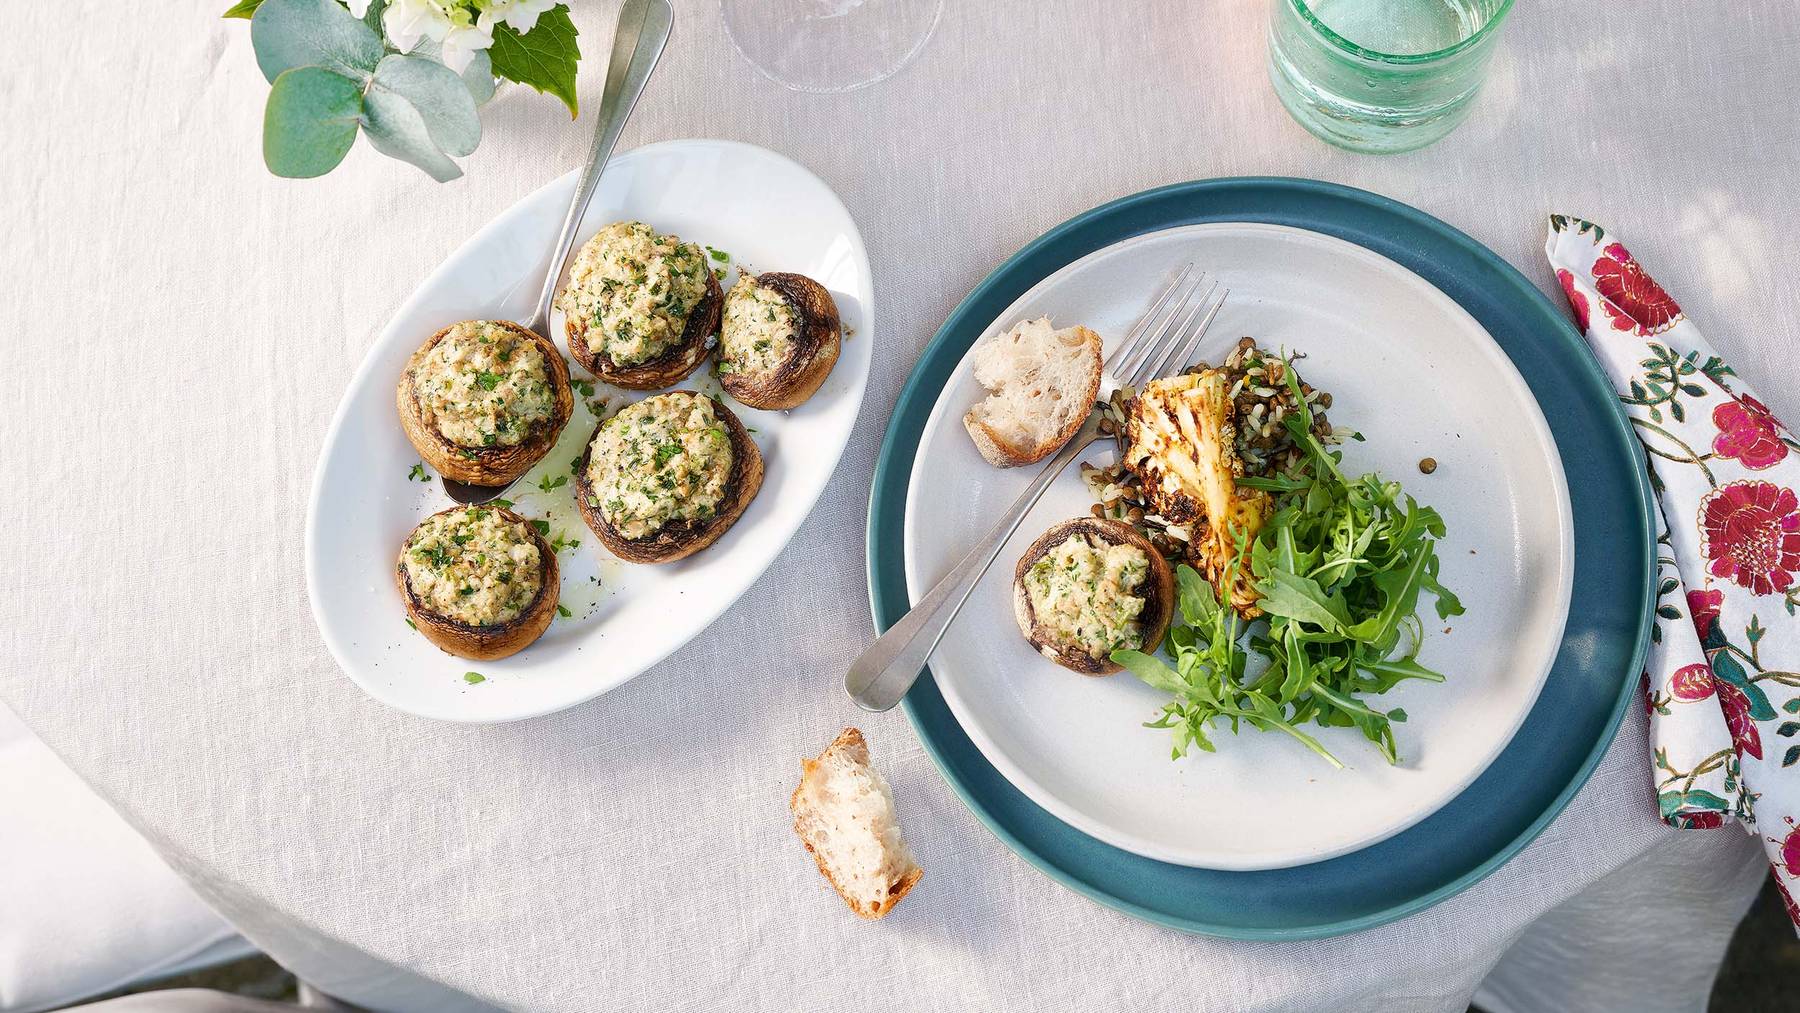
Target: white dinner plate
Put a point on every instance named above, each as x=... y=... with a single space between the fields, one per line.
x=763 y=210
x=1414 y=373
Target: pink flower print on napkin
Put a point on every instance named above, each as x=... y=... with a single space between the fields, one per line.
x=1748 y=434
x=1752 y=532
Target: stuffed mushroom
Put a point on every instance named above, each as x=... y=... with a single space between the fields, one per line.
x=640 y=306
x=665 y=477
x=1089 y=587
x=778 y=341
x=478 y=581
x=484 y=400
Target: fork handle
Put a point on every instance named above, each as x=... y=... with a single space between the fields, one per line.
x=883 y=673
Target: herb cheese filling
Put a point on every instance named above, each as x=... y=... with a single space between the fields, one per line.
x=483 y=385
x=660 y=461
x=1084 y=595
x=473 y=565
x=634 y=288
x=758 y=330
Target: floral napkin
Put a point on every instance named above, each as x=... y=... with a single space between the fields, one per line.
x=1723 y=686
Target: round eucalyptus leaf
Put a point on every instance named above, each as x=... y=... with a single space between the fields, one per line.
x=478 y=75
x=310 y=121
x=313 y=33
x=396 y=129
x=440 y=96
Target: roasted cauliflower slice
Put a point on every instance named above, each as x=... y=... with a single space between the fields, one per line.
x=1181 y=439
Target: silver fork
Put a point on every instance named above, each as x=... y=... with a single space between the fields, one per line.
x=1162 y=341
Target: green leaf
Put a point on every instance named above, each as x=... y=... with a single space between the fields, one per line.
x=1152 y=671
x=372 y=16
x=1401 y=598
x=1199 y=603
x=1403 y=668
x=313 y=33
x=397 y=130
x=440 y=97
x=544 y=59
x=478 y=76
x=1302 y=599
x=243 y=9
x=310 y=122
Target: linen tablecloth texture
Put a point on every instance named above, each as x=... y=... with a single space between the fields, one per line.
x=180 y=326
x=1722 y=680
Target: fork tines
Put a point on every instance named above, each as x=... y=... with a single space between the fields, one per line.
x=1167 y=335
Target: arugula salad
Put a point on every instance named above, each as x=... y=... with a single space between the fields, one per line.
x=1336 y=566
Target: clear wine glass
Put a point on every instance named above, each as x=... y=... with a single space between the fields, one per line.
x=829 y=45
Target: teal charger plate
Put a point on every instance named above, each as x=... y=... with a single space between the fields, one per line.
x=1589 y=688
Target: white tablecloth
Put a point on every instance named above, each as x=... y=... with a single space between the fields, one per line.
x=179 y=326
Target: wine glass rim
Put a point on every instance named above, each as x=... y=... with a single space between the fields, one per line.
x=1474 y=38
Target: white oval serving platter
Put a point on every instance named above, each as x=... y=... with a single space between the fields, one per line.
x=1418 y=377
x=767 y=213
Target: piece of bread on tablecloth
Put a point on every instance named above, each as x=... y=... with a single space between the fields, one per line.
x=844 y=814
x=1043 y=383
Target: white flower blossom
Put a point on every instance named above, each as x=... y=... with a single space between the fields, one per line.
x=461 y=44
x=520 y=15
x=358 y=7
x=408 y=21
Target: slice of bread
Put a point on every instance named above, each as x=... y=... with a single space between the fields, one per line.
x=845 y=816
x=1044 y=383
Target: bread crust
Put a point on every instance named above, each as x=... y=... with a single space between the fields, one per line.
x=1003 y=453
x=682 y=538
x=486 y=643
x=818 y=335
x=849 y=740
x=1158 y=592
x=667 y=369
x=485 y=466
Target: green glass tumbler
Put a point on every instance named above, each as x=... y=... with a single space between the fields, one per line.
x=1381 y=76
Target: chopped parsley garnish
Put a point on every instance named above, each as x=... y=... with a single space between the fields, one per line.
x=414 y=625
x=435 y=555
x=543 y=527
x=666 y=452
x=487 y=381
x=502 y=503
x=548 y=483
x=418 y=473
x=473 y=677
x=719 y=255
x=586 y=388
x=563 y=610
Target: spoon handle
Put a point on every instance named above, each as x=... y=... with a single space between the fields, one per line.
x=638 y=42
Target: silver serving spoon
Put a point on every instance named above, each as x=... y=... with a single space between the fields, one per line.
x=643 y=31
